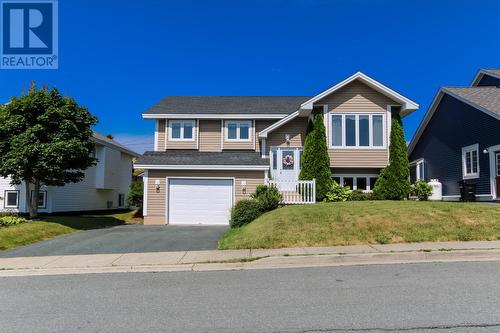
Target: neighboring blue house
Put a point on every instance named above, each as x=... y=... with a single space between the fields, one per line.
x=459 y=138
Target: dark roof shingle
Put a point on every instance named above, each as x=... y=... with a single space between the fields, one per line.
x=485 y=97
x=227 y=105
x=193 y=157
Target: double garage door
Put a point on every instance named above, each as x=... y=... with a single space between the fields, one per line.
x=199 y=201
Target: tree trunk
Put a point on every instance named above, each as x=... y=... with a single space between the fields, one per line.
x=34 y=200
x=27 y=197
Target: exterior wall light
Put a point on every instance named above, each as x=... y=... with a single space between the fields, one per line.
x=287 y=139
x=157 y=185
x=485 y=151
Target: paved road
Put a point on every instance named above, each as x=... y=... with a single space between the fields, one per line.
x=452 y=297
x=125 y=239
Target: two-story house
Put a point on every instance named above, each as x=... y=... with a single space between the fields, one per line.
x=105 y=185
x=212 y=151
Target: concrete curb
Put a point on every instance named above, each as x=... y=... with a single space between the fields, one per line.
x=252 y=259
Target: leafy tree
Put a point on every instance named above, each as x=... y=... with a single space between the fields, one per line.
x=393 y=182
x=136 y=193
x=315 y=159
x=45 y=139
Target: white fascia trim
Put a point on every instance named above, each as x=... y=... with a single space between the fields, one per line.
x=479 y=75
x=202 y=167
x=432 y=109
x=156 y=136
x=407 y=104
x=264 y=132
x=213 y=116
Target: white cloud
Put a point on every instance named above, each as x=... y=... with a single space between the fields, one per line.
x=136 y=142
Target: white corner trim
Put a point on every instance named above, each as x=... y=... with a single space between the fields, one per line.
x=145 y=178
x=202 y=167
x=156 y=136
x=212 y=116
x=406 y=102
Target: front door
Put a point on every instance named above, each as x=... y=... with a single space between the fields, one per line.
x=497 y=174
x=285 y=164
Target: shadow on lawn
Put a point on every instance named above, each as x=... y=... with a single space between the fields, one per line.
x=89 y=221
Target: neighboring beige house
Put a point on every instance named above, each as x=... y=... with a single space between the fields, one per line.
x=212 y=151
x=105 y=185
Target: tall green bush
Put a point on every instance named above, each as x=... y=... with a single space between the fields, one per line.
x=393 y=182
x=315 y=160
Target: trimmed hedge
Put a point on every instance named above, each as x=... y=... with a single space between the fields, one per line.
x=244 y=212
x=268 y=197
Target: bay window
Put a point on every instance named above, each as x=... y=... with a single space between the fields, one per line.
x=357 y=130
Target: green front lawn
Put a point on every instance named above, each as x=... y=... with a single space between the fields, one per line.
x=367 y=222
x=52 y=226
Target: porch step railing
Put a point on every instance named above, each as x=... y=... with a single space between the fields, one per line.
x=296 y=192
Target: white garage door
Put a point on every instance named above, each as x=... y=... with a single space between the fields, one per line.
x=199 y=201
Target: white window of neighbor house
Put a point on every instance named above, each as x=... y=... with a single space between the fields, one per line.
x=238 y=130
x=11 y=199
x=470 y=161
x=181 y=130
x=42 y=199
x=357 y=131
x=417 y=170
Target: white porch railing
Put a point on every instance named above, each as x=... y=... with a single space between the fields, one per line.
x=295 y=192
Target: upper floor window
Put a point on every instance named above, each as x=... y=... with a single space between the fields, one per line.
x=181 y=129
x=238 y=130
x=357 y=130
x=470 y=161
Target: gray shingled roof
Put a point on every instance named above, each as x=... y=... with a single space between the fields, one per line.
x=193 y=157
x=493 y=71
x=486 y=97
x=228 y=105
x=114 y=143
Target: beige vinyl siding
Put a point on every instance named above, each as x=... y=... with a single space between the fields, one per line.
x=296 y=128
x=157 y=200
x=210 y=135
x=260 y=125
x=239 y=145
x=176 y=144
x=357 y=97
x=161 y=135
x=358 y=158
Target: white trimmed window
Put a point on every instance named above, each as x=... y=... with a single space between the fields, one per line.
x=238 y=130
x=364 y=183
x=11 y=199
x=419 y=173
x=357 y=131
x=470 y=161
x=42 y=199
x=181 y=130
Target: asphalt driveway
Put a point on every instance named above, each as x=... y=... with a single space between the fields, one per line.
x=125 y=239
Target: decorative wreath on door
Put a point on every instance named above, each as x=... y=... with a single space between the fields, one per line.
x=288 y=160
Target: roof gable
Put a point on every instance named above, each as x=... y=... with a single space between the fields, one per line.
x=495 y=73
x=484 y=99
x=408 y=105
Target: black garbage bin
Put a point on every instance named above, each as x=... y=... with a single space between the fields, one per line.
x=467 y=190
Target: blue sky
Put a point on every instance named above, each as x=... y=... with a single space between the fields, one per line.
x=120 y=57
